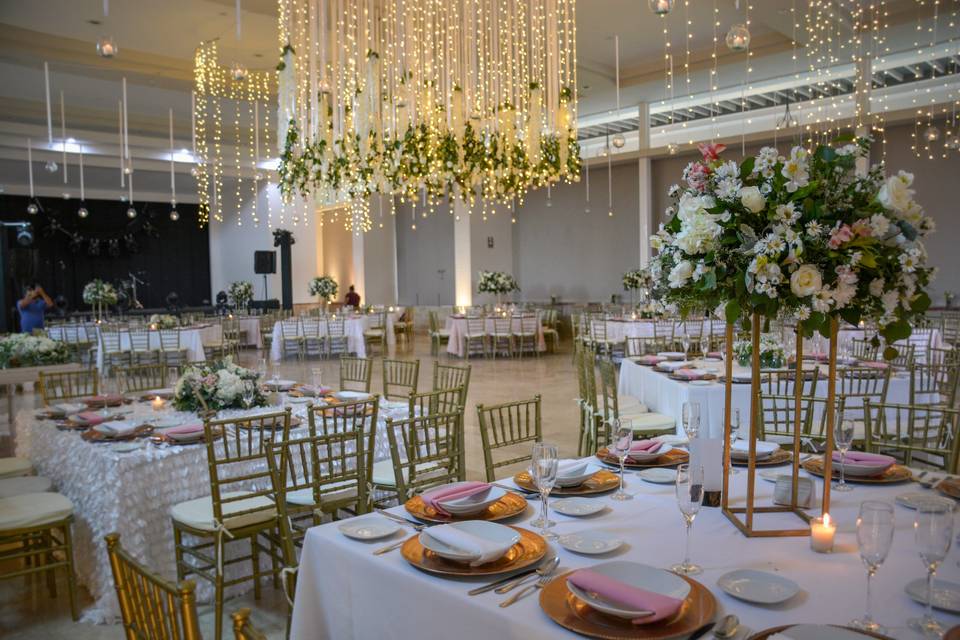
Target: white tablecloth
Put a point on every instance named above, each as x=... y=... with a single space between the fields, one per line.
x=457 y=328
x=353 y=328
x=345 y=592
x=130 y=493
x=665 y=395
x=191 y=338
x=250 y=331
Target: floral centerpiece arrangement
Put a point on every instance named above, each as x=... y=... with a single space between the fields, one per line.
x=651 y=309
x=240 y=293
x=99 y=294
x=496 y=282
x=164 y=321
x=24 y=350
x=772 y=354
x=797 y=236
x=638 y=279
x=217 y=385
x=325 y=287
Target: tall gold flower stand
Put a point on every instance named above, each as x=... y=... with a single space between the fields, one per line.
x=745 y=517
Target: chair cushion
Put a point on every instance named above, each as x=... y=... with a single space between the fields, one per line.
x=650 y=421
x=443 y=333
x=304 y=497
x=631 y=404
x=13 y=467
x=383 y=472
x=198 y=513
x=25 y=484
x=376 y=333
x=33 y=510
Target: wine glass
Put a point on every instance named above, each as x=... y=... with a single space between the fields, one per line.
x=544 y=463
x=621 y=432
x=690 y=416
x=248 y=394
x=842 y=439
x=316 y=378
x=933 y=532
x=704 y=344
x=685 y=343
x=689 y=500
x=734 y=434
x=874 y=537
x=108 y=386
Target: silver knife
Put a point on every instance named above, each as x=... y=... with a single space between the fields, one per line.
x=400 y=519
x=499 y=583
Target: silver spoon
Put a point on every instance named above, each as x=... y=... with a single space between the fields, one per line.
x=727 y=628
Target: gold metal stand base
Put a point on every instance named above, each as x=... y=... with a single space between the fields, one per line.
x=751 y=532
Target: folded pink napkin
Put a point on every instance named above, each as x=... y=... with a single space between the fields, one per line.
x=690 y=374
x=855 y=458
x=92 y=418
x=650 y=360
x=625 y=595
x=184 y=429
x=310 y=390
x=644 y=446
x=457 y=491
x=112 y=398
x=715 y=355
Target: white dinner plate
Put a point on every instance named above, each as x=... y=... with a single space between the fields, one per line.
x=822 y=632
x=701 y=383
x=765 y=449
x=587 y=472
x=281 y=385
x=472 y=504
x=497 y=533
x=590 y=542
x=658 y=475
x=368 y=528
x=912 y=499
x=862 y=470
x=672 y=355
x=761 y=587
x=636 y=575
x=946 y=595
x=647 y=456
x=351 y=395
x=169 y=421
x=299 y=399
x=577 y=506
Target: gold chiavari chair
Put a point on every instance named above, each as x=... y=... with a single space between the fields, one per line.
x=447 y=376
x=143 y=377
x=781 y=382
x=590 y=415
x=551 y=329
x=314 y=341
x=916 y=433
x=863 y=349
x=337 y=341
x=438 y=335
x=267 y=321
x=35 y=538
x=601 y=342
x=172 y=353
x=523 y=330
x=356 y=374
x=777 y=417
x=230 y=333
x=109 y=344
x=243 y=629
x=857 y=384
x=509 y=427
x=151 y=608
x=906 y=357
x=240 y=507
x=943 y=355
x=613 y=406
x=140 y=350
x=934 y=384
x=644 y=345
x=665 y=329
x=404 y=325
x=434 y=402
x=425 y=452
x=291 y=338
x=68 y=385
x=501 y=340
x=376 y=331
x=475 y=335
x=400 y=378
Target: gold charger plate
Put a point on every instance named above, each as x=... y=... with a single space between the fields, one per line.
x=950 y=487
x=599 y=482
x=564 y=608
x=895 y=473
x=506 y=507
x=766 y=633
x=706 y=376
x=529 y=550
x=775 y=459
x=670 y=459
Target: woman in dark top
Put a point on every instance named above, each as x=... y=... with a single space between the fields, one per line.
x=353 y=298
x=31 y=308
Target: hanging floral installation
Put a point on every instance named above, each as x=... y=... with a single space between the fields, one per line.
x=424 y=100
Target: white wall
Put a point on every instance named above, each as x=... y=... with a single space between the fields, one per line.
x=421 y=254
x=497 y=227
x=380 y=258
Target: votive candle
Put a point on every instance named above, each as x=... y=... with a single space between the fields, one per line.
x=157 y=404
x=822 y=532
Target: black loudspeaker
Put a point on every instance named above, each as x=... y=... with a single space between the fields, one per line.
x=264 y=262
x=266 y=305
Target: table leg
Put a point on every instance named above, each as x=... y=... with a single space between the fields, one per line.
x=11 y=389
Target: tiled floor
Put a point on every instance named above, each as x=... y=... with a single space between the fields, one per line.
x=26 y=611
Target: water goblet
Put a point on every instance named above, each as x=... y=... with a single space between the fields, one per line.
x=842 y=439
x=734 y=434
x=874 y=537
x=690 y=417
x=689 y=499
x=933 y=532
x=544 y=465
x=248 y=394
x=704 y=344
x=621 y=432
x=316 y=378
x=685 y=343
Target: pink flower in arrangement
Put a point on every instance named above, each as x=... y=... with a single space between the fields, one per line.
x=697 y=175
x=862 y=228
x=711 y=152
x=839 y=236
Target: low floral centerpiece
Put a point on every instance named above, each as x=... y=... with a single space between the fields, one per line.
x=164 y=321
x=99 y=294
x=24 y=350
x=638 y=279
x=217 y=385
x=325 y=287
x=772 y=354
x=497 y=283
x=799 y=236
x=240 y=293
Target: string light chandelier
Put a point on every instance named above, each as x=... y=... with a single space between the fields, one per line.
x=426 y=99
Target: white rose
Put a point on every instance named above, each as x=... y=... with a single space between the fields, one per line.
x=680 y=274
x=806 y=281
x=752 y=199
x=896 y=193
x=876 y=287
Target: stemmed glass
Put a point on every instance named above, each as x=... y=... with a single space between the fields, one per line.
x=689 y=499
x=690 y=416
x=842 y=439
x=704 y=344
x=621 y=432
x=262 y=368
x=107 y=386
x=248 y=394
x=874 y=537
x=685 y=343
x=544 y=463
x=933 y=531
x=734 y=434
x=316 y=378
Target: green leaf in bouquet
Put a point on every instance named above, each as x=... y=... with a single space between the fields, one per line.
x=920 y=303
x=732 y=311
x=746 y=167
x=890 y=353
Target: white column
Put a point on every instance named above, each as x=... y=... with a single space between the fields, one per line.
x=864 y=83
x=462 y=267
x=645 y=183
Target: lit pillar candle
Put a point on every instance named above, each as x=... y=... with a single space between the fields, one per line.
x=822 y=532
x=157 y=404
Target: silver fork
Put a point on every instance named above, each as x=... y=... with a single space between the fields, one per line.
x=539 y=584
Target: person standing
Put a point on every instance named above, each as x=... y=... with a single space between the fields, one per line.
x=32 y=307
x=353 y=298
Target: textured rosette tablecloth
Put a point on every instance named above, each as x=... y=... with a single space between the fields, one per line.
x=131 y=493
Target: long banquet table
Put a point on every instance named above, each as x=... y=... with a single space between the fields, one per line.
x=353 y=328
x=665 y=395
x=456 y=326
x=345 y=592
x=132 y=493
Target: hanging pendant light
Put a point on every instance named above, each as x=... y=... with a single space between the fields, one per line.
x=33 y=209
x=661 y=7
x=106 y=47
x=952 y=143
x=239 y=72
x=931 y=134
x=131 y=213
x=618 y=140
x=738 y=38
x=82 y=212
